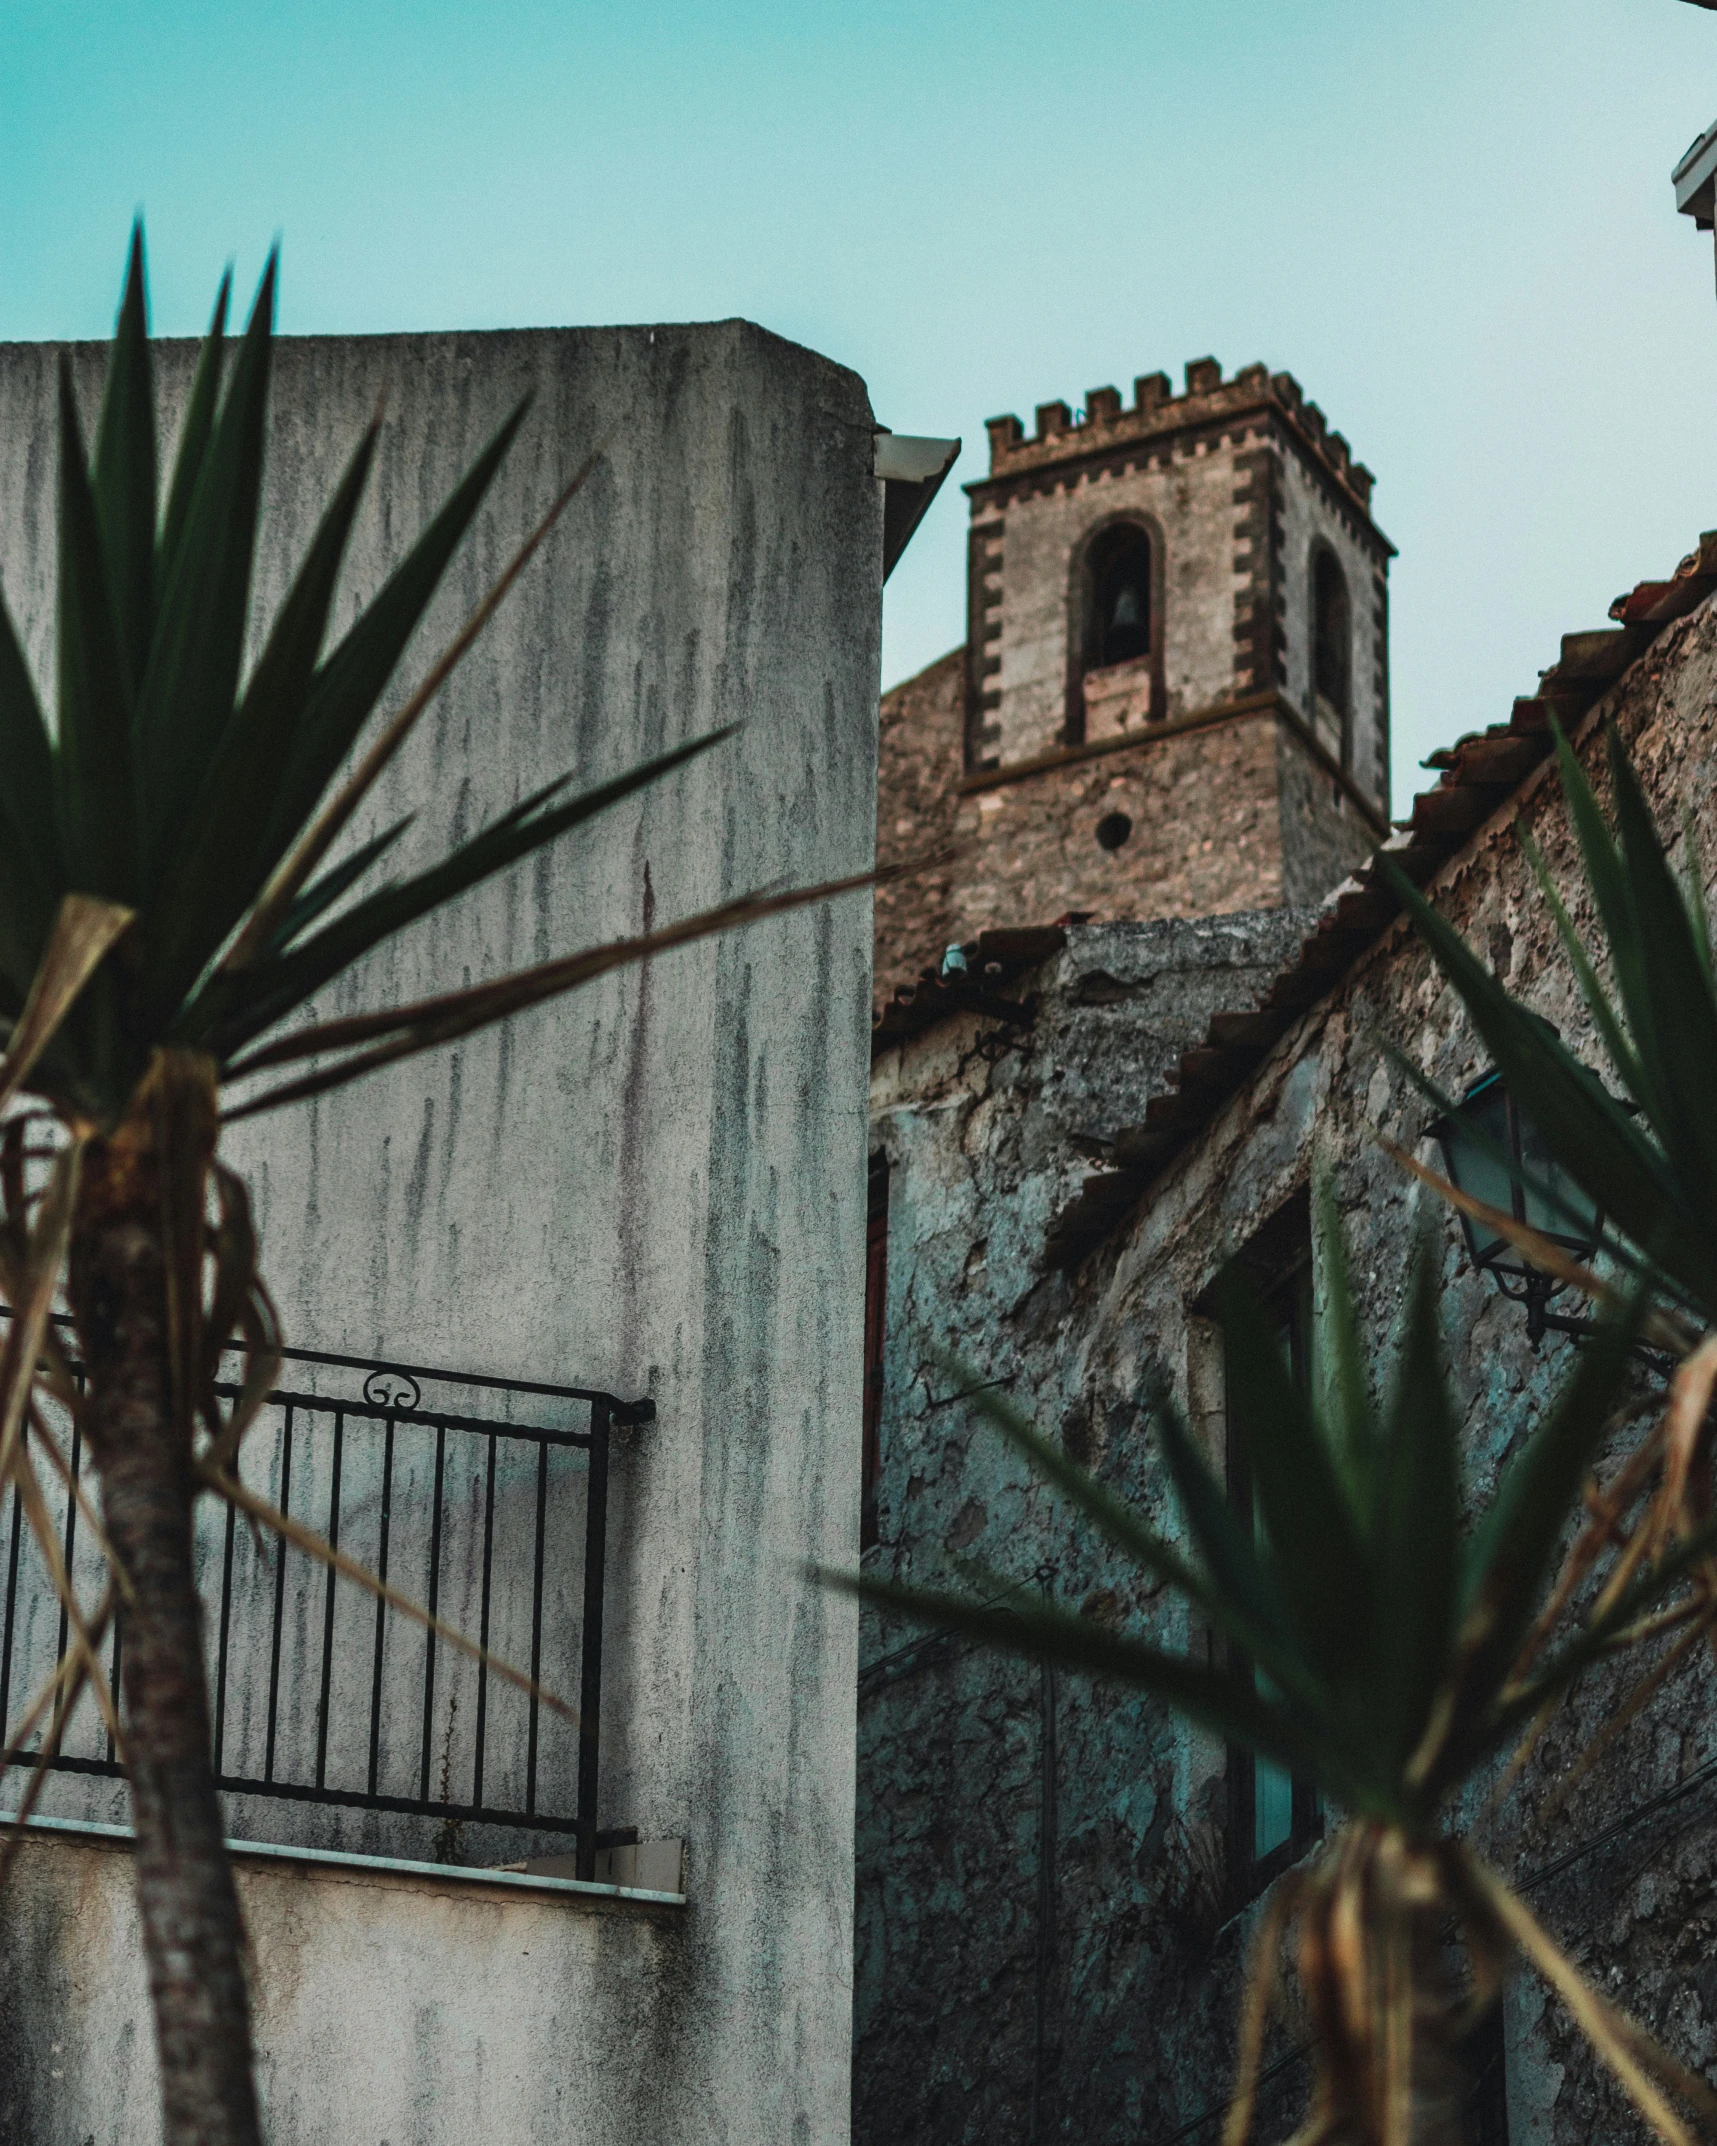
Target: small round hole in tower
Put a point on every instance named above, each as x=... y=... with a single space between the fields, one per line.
x=1113 y=829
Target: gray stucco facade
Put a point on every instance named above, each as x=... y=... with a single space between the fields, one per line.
x=653 y=1187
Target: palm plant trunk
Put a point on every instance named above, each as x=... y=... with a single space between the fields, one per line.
x=193 y=1936
x=1380 y=2003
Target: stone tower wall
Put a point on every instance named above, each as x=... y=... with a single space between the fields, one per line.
x=1311 y=513
x=917 y=805
x=1237 y=481
x=1226 y=814
x=1185 y=490
x=1206 y=835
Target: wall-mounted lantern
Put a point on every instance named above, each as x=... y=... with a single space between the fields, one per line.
x=1486 y=1125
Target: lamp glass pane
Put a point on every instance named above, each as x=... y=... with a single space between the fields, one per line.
x=1474 y=1141
x=1578 y=1229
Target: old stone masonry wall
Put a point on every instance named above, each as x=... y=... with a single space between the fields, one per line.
x=988 y=1131
x=1231 y=816
x=1108 y=1989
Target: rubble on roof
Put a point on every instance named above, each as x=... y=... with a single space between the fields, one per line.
x=992 y=961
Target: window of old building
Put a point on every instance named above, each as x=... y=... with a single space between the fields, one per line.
x=1118 y=596
x=1273 y=1818
x=1332 y=654
x=875 y=1334
x=1121 y=587
x=1115 y=632
x=1484 y=2118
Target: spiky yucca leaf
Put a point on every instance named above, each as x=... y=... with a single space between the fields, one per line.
x=175 y=789
x=1652 y=1170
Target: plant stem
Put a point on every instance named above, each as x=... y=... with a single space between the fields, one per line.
x=193 y=1936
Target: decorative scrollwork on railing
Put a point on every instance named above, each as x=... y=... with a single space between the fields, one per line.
x=392 y=1389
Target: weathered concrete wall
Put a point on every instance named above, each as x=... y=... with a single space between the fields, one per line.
x=550 y=2031
x=1143 y=1970
x=656 y=1185
x=987 y=1134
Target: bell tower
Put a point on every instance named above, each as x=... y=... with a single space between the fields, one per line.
x=1174 y=695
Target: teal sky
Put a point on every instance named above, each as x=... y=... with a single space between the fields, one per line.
x=1452 y=222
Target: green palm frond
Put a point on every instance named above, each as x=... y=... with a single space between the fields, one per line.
x=1652 y=1168
x=171 y=786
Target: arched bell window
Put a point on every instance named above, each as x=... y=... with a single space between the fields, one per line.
x=1121 y=597
x=1332 y=653
x=1115 y=619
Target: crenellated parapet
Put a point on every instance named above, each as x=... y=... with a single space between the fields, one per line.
x=1062 y=434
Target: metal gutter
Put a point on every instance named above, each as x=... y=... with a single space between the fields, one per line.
x=912 y=471
x=1692 y=178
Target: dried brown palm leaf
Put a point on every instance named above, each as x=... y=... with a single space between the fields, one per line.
x=61 y=1692
x=37 y=1286
x=17 y=1260
x=1619 y=1718
x=1366 y=1925
x=78 y=1634
x=1262 y=1978
x=1683 y=1503
x=1607 y=1506
x=1698 y=1613
x=239 y=1303
x=1644 y=2068
x=1677 y=1448
x=259 y=1333
x=1636 y=1525
x=1365 y=1920
x=73 y=1484
x=84 y=930
x=69 y=1669
x=1661 y=1328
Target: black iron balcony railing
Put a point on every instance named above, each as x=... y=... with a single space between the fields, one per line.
x=323 y=1694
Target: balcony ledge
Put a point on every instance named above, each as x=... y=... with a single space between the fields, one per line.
x=379 y=1869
